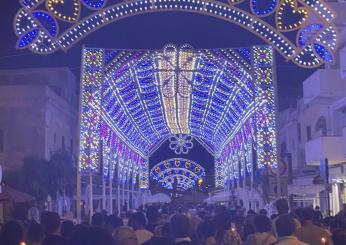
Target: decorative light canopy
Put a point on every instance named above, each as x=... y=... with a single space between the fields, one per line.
x=183 y=173
x=229 y=106
x=36 y=23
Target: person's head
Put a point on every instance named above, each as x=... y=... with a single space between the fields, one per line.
x=282 y=206
x=206 y=229
x=263 y=212
x=35 y=233
x=317 y=208
x=262 y=223
x=222 y=221
x=11 y=233
x=251 y=212
x=80 y=235
x=124 y=235
x=180 y=225
x=97 y=219
x=152 y=214
x=299 y=213
x=51 y=223
x=307 y=214
x=67 y=228
x=285 y=225
x=98 y=235
x=137 y=220
x=113 y=222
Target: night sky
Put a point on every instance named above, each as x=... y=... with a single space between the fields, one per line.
x=150 y=32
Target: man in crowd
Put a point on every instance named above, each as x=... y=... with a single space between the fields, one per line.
x=286 y=228
x=282 y=208
x=51 y=225
x=137 y=222
x=310 y=233
x=180 y=225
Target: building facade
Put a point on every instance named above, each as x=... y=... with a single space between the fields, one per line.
x=39 y=112
x=312 y=135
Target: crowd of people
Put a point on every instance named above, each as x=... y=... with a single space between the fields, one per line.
x=168 y=225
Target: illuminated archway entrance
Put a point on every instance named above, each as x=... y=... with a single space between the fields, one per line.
x=132 y=100
x=301 y=30
x=121 y=121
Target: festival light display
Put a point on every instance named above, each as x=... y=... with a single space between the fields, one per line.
x=180 y=144
x=231 y=108
x=179 y=172
x=45 y=26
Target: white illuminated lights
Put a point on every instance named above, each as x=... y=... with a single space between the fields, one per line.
x=103 y=13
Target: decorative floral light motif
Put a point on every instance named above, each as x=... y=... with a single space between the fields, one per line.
x=27 y=38
x=290 y=15
x=181 y=144
x=58 y=8
x=296 y=16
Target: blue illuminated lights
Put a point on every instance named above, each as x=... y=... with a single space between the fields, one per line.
x=27 y=38
x=286 y=19
x=181 y=173
x=47 y=21
x=324 y=53
x=263 y=7
x=228 y=106
x=94 y=4
x=307 y=34
x=180 y=144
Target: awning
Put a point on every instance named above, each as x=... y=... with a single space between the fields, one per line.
x=158 y=198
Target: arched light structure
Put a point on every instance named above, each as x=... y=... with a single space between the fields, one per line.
x=181 y=172
x=302 y=30
x=130 y=101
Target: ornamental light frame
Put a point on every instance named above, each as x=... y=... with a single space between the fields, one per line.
x=36 y=33
x=113 y=82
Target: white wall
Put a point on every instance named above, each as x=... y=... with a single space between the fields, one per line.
x=35 y=104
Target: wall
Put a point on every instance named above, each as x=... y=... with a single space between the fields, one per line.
x=35 y=105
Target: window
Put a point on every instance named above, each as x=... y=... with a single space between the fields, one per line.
x=283 y=147
x=299 y=132
x=2 y=140
x=308 y=133
x=321 y=124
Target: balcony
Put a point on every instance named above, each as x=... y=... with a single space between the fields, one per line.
x=323 y=83
x=331 y=147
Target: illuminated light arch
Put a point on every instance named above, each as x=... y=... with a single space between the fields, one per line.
x=318 y=50
x=185 y=172
x=232 y=112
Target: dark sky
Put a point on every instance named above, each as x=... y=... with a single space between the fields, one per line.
x=149 y=32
